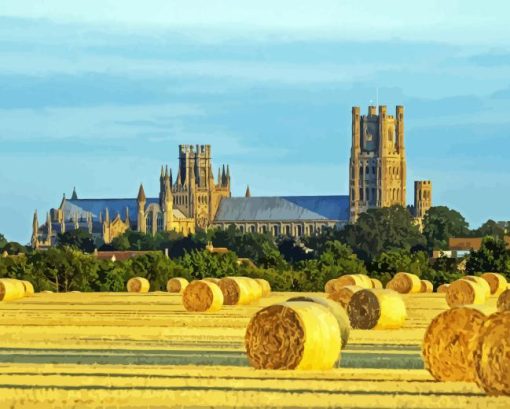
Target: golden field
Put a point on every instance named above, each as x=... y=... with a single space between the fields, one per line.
x=110 y=350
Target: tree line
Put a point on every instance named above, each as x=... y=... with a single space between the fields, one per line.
x=381 y=243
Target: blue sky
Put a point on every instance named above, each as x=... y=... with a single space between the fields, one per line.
x=98 y=94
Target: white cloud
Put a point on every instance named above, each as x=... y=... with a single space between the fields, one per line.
x=455 y=21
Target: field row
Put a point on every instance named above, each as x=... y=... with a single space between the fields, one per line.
x=74 y=386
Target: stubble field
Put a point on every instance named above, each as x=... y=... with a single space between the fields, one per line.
x=110 y=350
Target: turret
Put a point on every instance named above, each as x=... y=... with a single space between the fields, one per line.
x=76 y=221
x=248 y=193
x=74 y=196
x=141 y=200
x=35 y=231
x=168 y=203
x=49 y=229
x=90 y=224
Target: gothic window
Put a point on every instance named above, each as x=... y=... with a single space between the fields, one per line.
x=299 y=230
x=361 y=172
x=264 y=229
x=252 y=229
x=160 y=222
x=241 y=228
x=275 y=230
x=361 y=194
x=149 y=221
x=287 y=230
x=367 y=170
x=373 y=170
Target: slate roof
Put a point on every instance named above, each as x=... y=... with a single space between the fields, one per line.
x=283 y=208
x=96 y=206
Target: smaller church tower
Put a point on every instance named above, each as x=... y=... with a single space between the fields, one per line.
x=35 y=231
x=167 y=200
x=49 y=230
x=141 y=200
x=422 y=197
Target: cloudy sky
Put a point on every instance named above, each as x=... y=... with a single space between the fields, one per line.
x=98 y=94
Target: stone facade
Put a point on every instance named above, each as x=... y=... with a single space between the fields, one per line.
x=377 y=167
x=196 y=200
x=189 y=203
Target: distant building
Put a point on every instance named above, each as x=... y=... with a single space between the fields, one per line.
x=196 y=200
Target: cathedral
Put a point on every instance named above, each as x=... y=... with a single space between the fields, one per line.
x=198 y=200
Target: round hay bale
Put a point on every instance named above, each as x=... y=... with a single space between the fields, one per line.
x=202 y=296
x=176 y=285
x=344 y=294
x=492 y=355
x=265 y=286
x=360 y=280
x=426 y=286
x=330 y=286
x=442 y=288
x=340 y=314
x=504 y=301
x=497 y=282
x=11 y=289
x=211 y=280
x=450 y=342
x=377 y=309
x=293 y=335
x=256 y=289
x=464 y=292
x=376 y=283
x=404 y=283
x=481 y=282
x=29 y=288
x=239 y=290
x=138 y=285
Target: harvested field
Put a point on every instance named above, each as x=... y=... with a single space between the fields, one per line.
x=139 y=350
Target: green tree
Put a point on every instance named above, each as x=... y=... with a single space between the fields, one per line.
x=334 y=260
x=293 y=251
x=13 y=248
x=202 y=264
x=440 y=223
x=260 y=248
x=394 y=261
x=380 y=230
x=79 y=239
x=65 y=269
x=157 y=268
x=493 y=255
x=120 y=243
x=489 y=228
x=3 y=241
